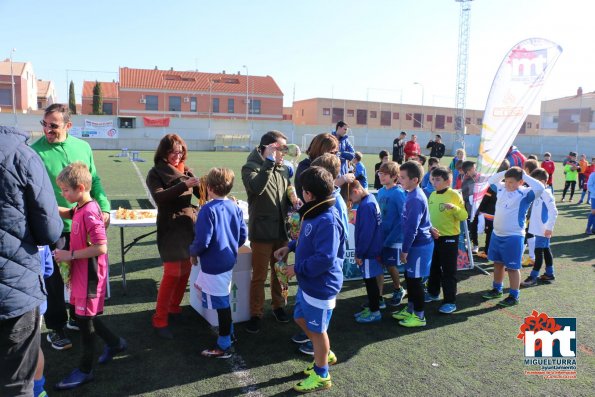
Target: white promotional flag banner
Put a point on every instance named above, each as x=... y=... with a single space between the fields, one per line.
x=517 y=85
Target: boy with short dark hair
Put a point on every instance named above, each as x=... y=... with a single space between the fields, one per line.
x=426 y=182
x=391 y=199
x=360 y=170
x=418 y=245
x=548 y=165
x=219 y=231
x=447 y=211
x=368 y=248
x=506 y=246
x=571 y=168
x=319 y=253
x=383 y=155
x=541 y=225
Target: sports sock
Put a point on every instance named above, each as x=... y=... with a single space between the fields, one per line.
x=38 y=385
x=515 y=293
x=531 y=245
x=321 y=371
x=549 y=270
x=224 y=342
x=498 y=286
x=534 y=274
x=421 y=315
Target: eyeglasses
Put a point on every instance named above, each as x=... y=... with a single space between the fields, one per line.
x=177 y=153
x=53 y=126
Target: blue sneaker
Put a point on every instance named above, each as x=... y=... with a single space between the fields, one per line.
x=381 y=304
x=362 y=312
x=110 y=352
x=75 y=379
x=369 y=317
x=431 y=298
x=448 y=308
x=307 y=348
x=397 y=297
x=300 y=338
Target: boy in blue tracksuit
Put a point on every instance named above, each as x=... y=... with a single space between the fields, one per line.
x=391 y=198
x=220 y=229
x=418 y=244
x=319 y=254
x=368 y=248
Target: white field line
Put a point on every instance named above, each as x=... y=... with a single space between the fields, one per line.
x=142 y=181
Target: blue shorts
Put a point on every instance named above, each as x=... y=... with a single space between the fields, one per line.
x=317 y=320
x=370 y=268
x=419 y=260
x=215 y=302
x=542 y=242
x=391 y=256
x=507 y=250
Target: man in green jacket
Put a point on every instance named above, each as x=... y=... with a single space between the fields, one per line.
x=266 y=180
x=57 y=149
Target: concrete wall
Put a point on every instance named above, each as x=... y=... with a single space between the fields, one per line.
x=199 y=134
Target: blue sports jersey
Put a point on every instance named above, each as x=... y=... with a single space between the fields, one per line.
x=391 y=203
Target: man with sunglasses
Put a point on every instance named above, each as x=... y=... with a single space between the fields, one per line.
x=58 y=149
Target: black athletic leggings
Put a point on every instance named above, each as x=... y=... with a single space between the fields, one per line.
x=224 y=317
x=415 y=290
x=89 y=326
x=373 y=294
x=572 y=185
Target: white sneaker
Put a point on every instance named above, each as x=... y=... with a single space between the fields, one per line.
x=475 y=249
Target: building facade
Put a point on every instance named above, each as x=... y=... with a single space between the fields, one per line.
x=109 y=92
x=569 y=115
x=46 y=94
x=25 y=87
x=395 y=116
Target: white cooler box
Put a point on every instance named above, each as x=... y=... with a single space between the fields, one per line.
x=239 y=297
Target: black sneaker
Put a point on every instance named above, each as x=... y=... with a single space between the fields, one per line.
x=253 y=325
x=59 y=340
x=72 y=325
x=508 y=302
x=300 y=338
x=280 y=315
x=546 y=279
x=529 y=282
x=164 y=332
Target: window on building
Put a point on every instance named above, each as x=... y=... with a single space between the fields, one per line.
x=175 y=103
x=302 y=112
x=151 y=102
x=529 y=124
x=215 y=105
x=408 y=116
x=449 y=119
x=439 y=122
x=362 y=117
x=395 y=115
x=479 y=121
x=373 y=114
x=429 y=118
x=326 y=111
x=467 y=120
x=193 y=104
x=5 y=96
x=522 y=130
x=350 y=113
x=255 y=106
x=536 y=126
x=417 y=118
x=337 y=115
x=385 y=118
x=230 y=105
x=108 y=108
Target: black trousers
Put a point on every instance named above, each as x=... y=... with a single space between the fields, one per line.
x=443 y=272
x=572 y=185
x=373 y=294
x=89 y=326
x=540 y=255
x=489 y=228
x=19 y=351
x=56 y=315
x=472 y=225
x=224 y=317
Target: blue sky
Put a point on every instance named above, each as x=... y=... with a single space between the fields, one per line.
x=342 y=49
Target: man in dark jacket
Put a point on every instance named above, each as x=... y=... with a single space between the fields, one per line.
x=398 y=148
x=266 y=180
x=346 y=151
x=437 y=147
x=28 y=218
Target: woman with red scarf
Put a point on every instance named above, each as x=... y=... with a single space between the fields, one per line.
x=172 y=185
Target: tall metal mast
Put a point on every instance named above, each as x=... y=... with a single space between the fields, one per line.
x=461 y=90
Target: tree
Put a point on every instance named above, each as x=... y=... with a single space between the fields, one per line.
x=71 y=98
x=97 y=99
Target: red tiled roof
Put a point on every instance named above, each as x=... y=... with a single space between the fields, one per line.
x=17 y=68
x=42 y=88
x=108 y=89
x=172 y=80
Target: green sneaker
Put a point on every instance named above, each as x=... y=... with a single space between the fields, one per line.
x=402 y=314
x=493 y=294
x=508 y=302
x=413 y=321
x=332 y=360
x=313 y=383
x=364 y=312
